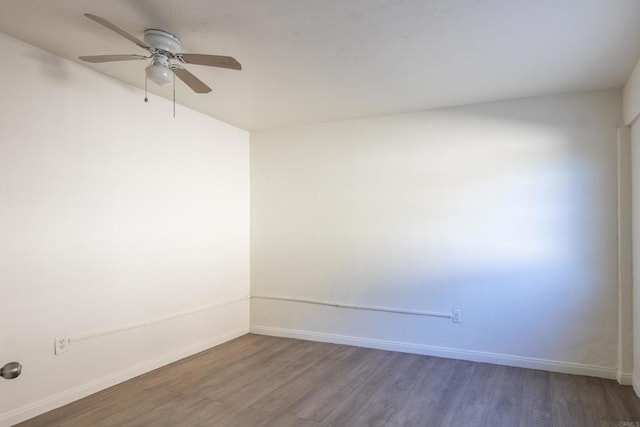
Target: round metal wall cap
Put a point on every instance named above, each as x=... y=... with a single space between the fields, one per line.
x=11 y=370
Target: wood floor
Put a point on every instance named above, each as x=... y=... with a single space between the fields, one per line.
x=266 y=381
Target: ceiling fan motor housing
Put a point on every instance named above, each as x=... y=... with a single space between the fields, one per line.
x=162 y=41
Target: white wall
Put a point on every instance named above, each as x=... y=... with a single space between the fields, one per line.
x=505 y=210
x=625 y=258
x=631 y=96
x=631 y=112
x=635 y=160
x=111 y=213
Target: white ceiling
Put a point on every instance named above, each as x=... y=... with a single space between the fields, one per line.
x=310 y=61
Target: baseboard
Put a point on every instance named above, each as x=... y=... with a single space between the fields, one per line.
x=624 y=378
x=84 y=390
x=636 y=385
x=451 y=353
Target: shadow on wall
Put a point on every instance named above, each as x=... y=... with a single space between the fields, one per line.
x=51 y=66
x=55 y=70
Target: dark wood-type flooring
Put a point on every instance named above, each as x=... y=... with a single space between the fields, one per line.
x=266 y=381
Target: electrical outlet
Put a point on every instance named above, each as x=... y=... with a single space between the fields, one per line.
x=61 y=344
x=457 y=316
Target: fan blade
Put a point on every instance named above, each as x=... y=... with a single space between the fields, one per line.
x=111 y=58
x=210 y=60
x=118 y=30
x=192 y=81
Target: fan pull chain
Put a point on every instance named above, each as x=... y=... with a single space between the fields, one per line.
x=174 y=95
x=145 y=88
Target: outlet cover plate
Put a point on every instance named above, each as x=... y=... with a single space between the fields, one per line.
x=457 y=315
x=61 y=345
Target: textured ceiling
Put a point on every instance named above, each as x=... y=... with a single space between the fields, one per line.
x=310 y=61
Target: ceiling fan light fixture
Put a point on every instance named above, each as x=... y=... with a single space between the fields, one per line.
x=159 y=74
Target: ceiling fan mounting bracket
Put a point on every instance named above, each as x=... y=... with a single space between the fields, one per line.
x=162 y=60
x=162 y=42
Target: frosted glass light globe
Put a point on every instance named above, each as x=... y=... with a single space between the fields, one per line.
x=159 y=74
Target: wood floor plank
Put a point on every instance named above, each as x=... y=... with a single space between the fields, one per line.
x=389 y=393
x=225 y=390
x=267 y=381
x=597 y=407
x=349 y=411
x=202 y=380
x=535 y=409
x=421 y=403
x=291 y=392
x=623 y=401
x=339 y=385
x=246 y=394
x=506 y=398
x=182 y=375
x=436 y=397
x=120 y=410
x=566 y=406
x=452 y=393
x=257 y=418
x=216 y=358
x=474 y=404
x=183 y=410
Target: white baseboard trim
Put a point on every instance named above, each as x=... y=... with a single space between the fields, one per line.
x=624 y=378
x=84 y=390
x=451 y=353
x=636 y=385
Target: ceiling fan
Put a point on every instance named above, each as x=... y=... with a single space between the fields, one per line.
x=163 y=47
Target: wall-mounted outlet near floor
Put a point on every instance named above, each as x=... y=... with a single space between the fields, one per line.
x=457 y=315
x=61 y=344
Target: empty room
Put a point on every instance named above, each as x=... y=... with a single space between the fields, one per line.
x=320 y=213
